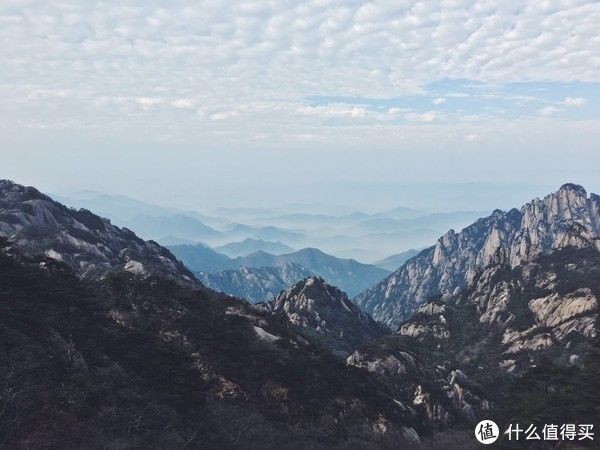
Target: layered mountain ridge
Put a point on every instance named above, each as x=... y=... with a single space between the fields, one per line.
x=107 y=341
x=348 y=274
x=566 y=218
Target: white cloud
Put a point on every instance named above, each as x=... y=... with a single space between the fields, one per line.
x=428 y=116
x=222 y=115
x=438 y=101
x=548 y=110
x=148 y=102
x=328 y=111
x=573 y=101
x=183 y=103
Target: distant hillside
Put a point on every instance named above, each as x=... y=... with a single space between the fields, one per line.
x=199 y=258
x=249 y=246
x=391 y=263
x=347 y=274
x=179 y=225
x=267 y=233
x=121 y=209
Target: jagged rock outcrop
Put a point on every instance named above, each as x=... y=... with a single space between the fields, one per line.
x=323 y=309
x=255 y=284
x=90 y=245
x=566 y=218
x=437 y=394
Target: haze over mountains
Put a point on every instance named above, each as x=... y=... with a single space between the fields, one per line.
x=227 y=239
x=367 y=237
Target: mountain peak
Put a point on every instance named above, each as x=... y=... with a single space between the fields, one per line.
x=312 y=250
x=9 y=190
x=571 y=187
x=324 y=309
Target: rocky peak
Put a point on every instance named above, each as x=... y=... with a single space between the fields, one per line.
x=326 y=310
x=89 y=244
x=566 y=218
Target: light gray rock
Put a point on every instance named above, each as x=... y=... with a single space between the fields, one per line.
x=37 y=225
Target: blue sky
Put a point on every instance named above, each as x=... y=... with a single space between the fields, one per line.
x=265 y=101
x=456 y=100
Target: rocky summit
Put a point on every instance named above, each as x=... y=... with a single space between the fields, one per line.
x=314 y=305
x=90 y=245
x=566 y=218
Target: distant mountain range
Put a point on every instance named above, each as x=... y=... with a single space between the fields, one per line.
x=179 y=225
x=249 y=246
x=391 y=263
x=267 y=233
x=357 y=235
x=349 y=275
x=255 y=284
x=121 y=210
x=200 y=258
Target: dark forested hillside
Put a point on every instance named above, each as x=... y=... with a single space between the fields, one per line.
x=146 y=363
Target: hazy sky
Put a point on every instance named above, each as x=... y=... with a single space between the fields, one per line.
x=200 y=103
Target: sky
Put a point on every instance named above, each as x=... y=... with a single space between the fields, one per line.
x=200 y=104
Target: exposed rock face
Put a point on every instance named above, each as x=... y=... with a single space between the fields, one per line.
x=90 y=245
x=255 y=284
x=567 y=218
x=324 y=309
x=437 y=395
x=514 y=313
